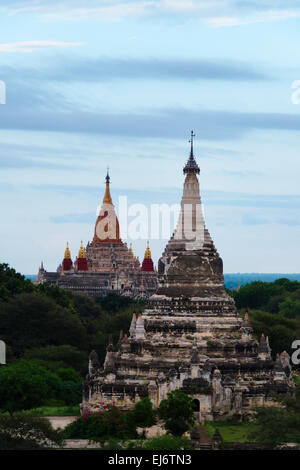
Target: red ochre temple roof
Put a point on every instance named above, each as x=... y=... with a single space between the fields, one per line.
x=147 y=264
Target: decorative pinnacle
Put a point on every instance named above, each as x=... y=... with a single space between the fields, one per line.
x=191 y=141
x=107 y=178
x=191 y=166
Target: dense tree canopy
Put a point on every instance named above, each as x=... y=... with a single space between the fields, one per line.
x=27 y=433
x=274 y=309
x=279 y=425
x=57 y=329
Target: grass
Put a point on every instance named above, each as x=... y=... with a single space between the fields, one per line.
x=232 y=431
x=54 y=411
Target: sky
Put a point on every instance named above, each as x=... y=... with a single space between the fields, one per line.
x=121 y=83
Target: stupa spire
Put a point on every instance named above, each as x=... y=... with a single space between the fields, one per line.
x=67 y=252
x=107 y=197
x=147 y=264
x=67 y=261
x=107 y=225
x=191 y=165
x=148 y=251
x=81 y=253
x=131 y=250
x=81 y=261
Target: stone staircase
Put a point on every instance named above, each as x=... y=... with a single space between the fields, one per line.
x=201 y=438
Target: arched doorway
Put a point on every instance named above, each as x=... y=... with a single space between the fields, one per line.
x=196 y=407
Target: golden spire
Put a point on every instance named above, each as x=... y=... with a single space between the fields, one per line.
x=107 y=197
x=147 y=252
x=81 y=253
x=67 y=252
x=131 y=250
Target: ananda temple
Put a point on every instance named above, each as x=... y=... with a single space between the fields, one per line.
x=191 y=336
x=106 y=263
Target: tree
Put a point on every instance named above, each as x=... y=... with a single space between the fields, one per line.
x=276 y=426
x=12 y=283
x=25 y=385
x=35 y=320
x=290 y=308
x=143 y=413
x=257 y=294
x=109 y=422
x=27 y=433
x=64 y=356
x=177 y=411
x=279 y=425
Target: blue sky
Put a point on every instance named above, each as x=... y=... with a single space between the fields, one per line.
x=122 y=83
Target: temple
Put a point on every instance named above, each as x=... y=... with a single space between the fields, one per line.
x=106 y=264
x=191 y=336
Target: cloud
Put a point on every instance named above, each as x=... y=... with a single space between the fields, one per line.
x=271 y=201
x=30 y=46
x=103 y=69
x=213 y=13
x=164 y=123
x=264 y=17
x=34 y=156
x=154 y=68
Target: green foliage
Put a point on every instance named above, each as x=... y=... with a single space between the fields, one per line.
x=60 y=296
x=165 y=442
x=282 y=331
x=12 y=283
x=64 y=356
x=25 y=432
x=257 y=294
x=274 y=310
x=279 y=425
x=177 y=411
x=113 y=302
x=143 y=413
x=290 y=308
x=25 y=385
x=72 y=410
x=109 y=422
x=232 y=431
x=34 y=321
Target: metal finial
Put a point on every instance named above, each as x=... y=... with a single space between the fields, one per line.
x=191 y=166
x=191 y=142
x=107 y=175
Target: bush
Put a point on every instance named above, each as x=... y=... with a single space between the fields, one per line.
x=26 y=432
x=143 y=413
x=109 y=422
x=25 y=385
x=177 y=411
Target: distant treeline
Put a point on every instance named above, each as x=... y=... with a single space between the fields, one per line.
x=232 y=281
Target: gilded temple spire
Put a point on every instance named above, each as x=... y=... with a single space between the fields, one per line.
x=67 y=252
x=107 y=197
x=81 y=253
